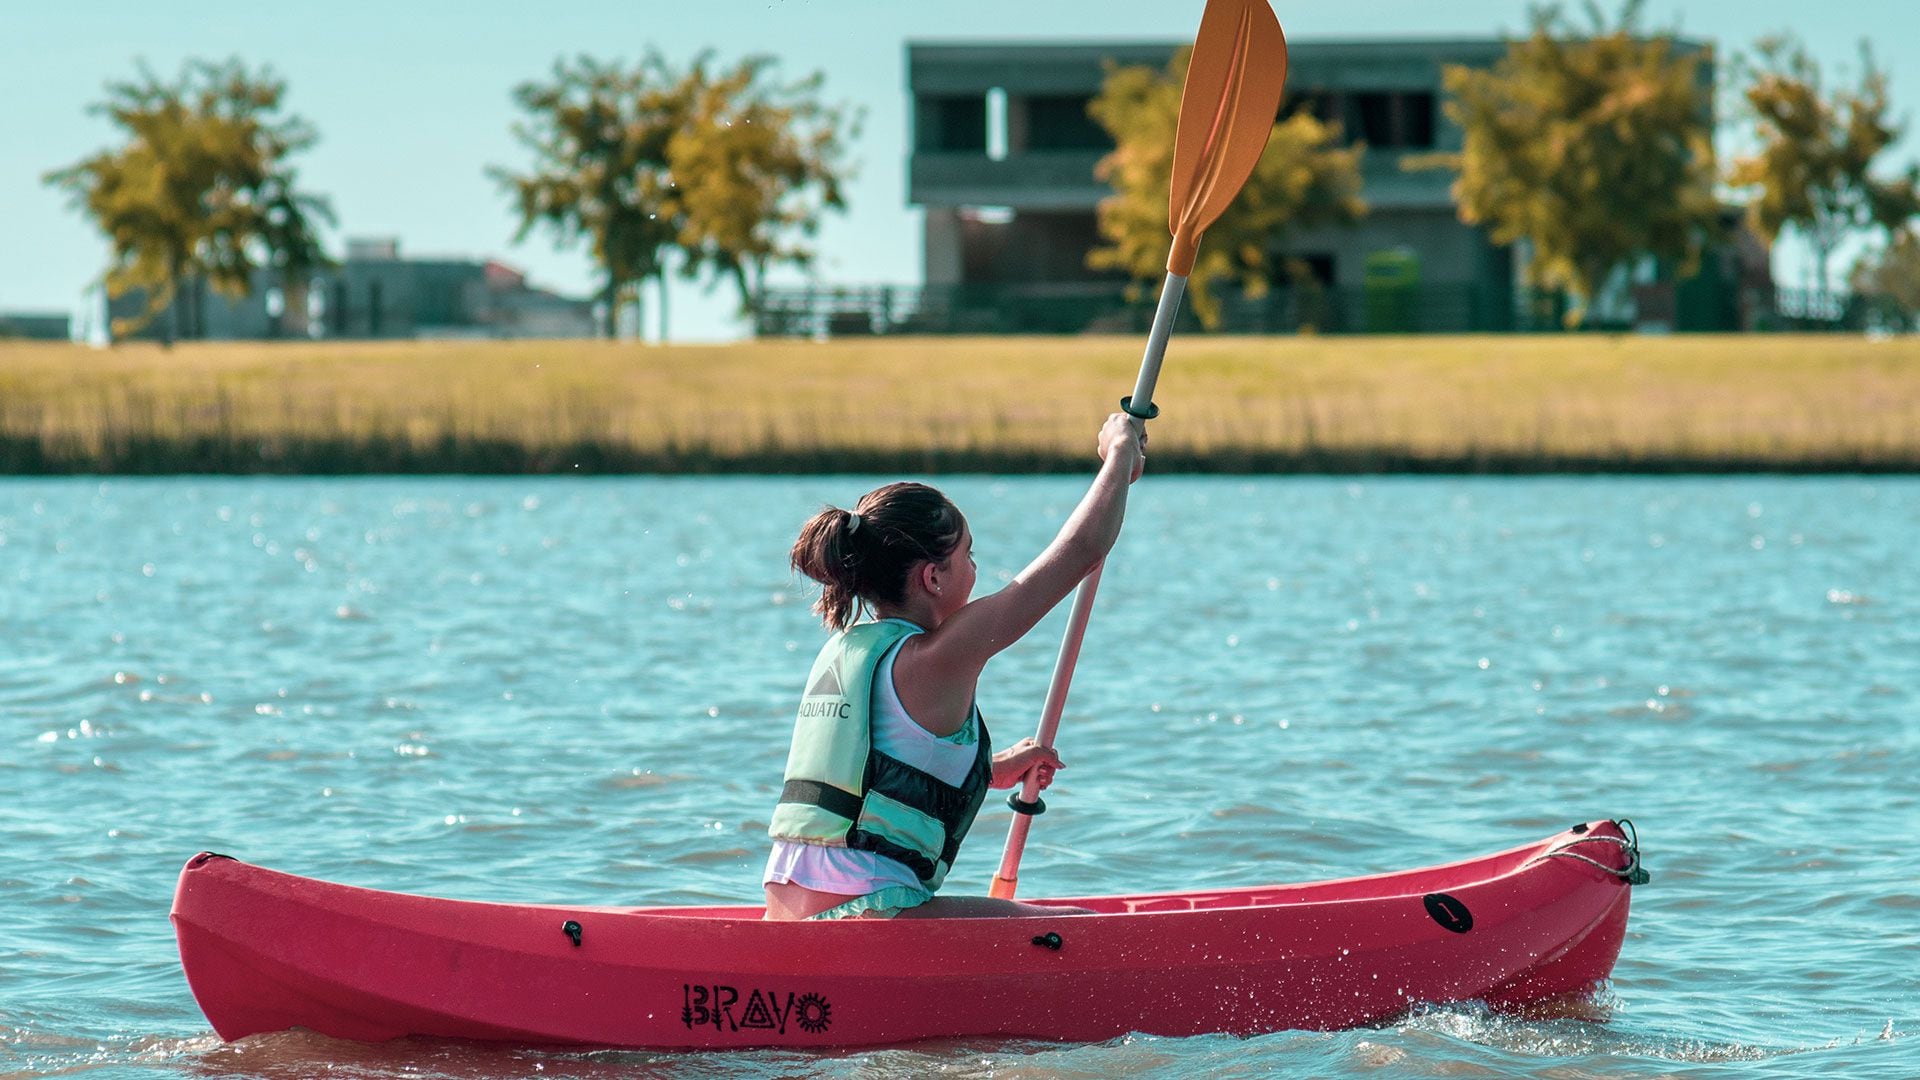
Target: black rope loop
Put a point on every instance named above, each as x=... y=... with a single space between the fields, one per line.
x=1633 y=873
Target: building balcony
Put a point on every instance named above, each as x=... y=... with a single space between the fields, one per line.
x=1035 y=180
x=1387 y=185
x=1064 y=180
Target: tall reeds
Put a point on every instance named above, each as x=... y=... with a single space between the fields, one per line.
x=1496 y=404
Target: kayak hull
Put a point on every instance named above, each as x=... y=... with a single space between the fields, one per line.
x=267 y=951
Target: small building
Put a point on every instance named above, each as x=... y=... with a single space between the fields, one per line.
x=374 y=293
x=35 y=326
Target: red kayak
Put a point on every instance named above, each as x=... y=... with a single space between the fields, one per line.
x=266 y=951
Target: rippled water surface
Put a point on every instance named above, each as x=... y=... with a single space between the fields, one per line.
x=581 y=691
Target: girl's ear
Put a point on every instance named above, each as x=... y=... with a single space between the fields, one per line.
x=929 y=577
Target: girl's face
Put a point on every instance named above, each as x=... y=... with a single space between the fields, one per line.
x=956 y=577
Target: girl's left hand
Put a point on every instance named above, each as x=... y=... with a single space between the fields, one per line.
x=1011 y=766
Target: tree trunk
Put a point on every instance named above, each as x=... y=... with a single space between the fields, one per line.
x=610 y=308
x=749 y=293
x=1581 y=308
x=171 y=332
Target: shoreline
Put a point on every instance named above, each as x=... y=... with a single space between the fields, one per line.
x=1546 y=405
x=20 y=458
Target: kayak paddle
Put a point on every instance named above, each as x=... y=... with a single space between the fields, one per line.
x=1227 y=111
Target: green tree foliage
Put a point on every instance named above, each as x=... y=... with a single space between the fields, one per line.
x=1891 y=277
x=202 y=188
x=1596 y=148
x=1813 y=171
x=599 y=136
x=1305 y=177
x=728 y=168
x=757 y=165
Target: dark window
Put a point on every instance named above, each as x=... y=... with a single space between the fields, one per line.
x=952 y=124
x=1394 y=120
x=982 y=247
x=1062 y=123
x=373 y=309
x=1416 y=117
x=1318 y=267
x=1374 y=113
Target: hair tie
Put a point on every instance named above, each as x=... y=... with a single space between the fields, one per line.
x=853 y=523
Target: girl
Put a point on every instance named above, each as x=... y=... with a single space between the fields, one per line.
x=890 y=758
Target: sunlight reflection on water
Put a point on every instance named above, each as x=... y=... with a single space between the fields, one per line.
x=538 y=689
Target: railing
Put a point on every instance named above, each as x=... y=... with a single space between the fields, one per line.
x=1428 y=307
x=1108 y=308
x=1807 y=310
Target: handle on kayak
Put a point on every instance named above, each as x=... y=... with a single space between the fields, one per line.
x=1628 y=842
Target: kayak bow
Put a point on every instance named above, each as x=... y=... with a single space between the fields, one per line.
x=266 y=951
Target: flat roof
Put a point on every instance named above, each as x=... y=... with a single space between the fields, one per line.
x=956 y=65
x=1082 y=46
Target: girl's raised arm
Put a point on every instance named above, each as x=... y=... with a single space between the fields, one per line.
x=954 y=653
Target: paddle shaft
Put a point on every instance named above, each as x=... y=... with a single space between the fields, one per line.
x=1007 y=879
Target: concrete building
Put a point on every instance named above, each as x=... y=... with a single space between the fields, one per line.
x=377 y=294
x=374 y=293
x=35 y=326
x=1003 y=159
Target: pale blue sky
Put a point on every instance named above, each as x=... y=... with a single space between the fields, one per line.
x=411 y=98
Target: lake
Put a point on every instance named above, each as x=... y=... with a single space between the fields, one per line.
x=582 y=690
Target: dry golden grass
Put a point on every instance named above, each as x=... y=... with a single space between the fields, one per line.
x=1496 y=403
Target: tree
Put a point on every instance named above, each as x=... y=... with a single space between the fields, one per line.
x=758 y=164
x=646 y=161
x=202 y=190
x=1304 y=178
x=1813 y=171
x=1597 y=150
x=599 y=135
x=1892 y=276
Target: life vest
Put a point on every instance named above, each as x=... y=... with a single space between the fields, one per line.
x=842 y=792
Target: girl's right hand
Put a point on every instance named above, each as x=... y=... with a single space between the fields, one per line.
x=1125 y=435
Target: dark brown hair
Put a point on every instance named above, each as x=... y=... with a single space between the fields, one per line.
x=866 y=561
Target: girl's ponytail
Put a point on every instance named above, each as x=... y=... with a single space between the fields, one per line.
x=826 y=552
x=863 y=556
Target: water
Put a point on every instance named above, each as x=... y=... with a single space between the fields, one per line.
x=528 y=689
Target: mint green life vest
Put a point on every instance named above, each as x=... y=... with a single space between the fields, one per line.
x=841 y=791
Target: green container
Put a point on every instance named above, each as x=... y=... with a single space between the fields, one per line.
x=1390 y=286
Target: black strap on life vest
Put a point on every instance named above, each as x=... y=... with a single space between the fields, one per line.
x=954 y=807
x=825 y=796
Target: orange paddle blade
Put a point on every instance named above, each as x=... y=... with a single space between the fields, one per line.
x=1227 y=110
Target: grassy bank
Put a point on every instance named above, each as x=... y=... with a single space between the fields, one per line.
x=1488 y=404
